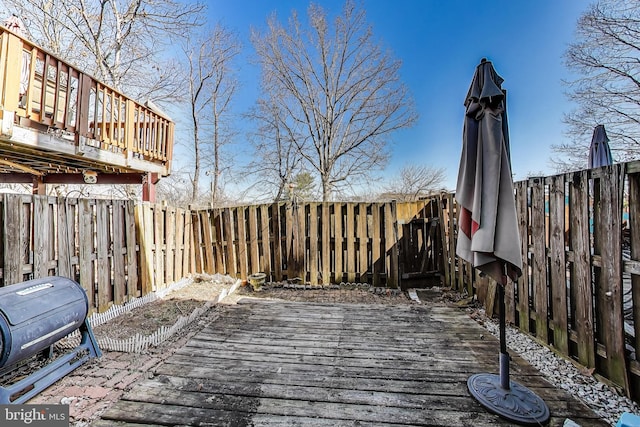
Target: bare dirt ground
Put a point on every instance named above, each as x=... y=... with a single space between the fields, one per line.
x=146 y=319
x=164 y=312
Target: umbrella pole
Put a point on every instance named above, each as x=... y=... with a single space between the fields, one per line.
x=504 y=355
x=500 y=395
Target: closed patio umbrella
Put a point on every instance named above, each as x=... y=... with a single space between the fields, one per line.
x=599 y=151
x=488 y=235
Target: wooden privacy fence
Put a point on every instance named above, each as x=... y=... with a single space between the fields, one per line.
x=116 y=249
x=90 y=241
x=319 y=243
x=119 y=250
x=580 y=289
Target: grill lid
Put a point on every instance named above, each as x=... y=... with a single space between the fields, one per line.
x=19 y=304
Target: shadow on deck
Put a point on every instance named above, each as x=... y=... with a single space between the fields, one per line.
x=265 y=363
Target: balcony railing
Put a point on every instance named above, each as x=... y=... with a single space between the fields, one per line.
x=41 y=92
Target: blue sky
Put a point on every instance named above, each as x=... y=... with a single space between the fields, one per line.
x=440 y=43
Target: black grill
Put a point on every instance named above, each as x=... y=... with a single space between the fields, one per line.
x=34 y=315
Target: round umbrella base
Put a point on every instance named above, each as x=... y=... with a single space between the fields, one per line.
x=518 y=404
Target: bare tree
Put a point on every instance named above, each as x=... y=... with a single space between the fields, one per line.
x=212 y=86
x=339 y=88
x=276 y=158
x=415 y=181
x=120 y=42
x=175 y=189
x=42 y=27
x=606 y=55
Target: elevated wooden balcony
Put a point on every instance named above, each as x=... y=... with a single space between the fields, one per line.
x=60 y=125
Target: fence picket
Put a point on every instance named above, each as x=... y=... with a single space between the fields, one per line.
x=377 y=264
x=254 y=254
x=66 y=237
x=363 y=243
x=608 y=278
x=314 y=257
x=133 y=282
x=522 y=207
x=581 y=294
x=85 y=255
x=351 y=244
x=265 y=241
x=241 y=239
x=558 y=272
x=207 y=241
x=179 y=248
x=325 y=243
x=339 y=267
x=169 y=244
x=158 y=231
x=279 y=250
x=634 y=243
x=118 y=256
x=538 y=256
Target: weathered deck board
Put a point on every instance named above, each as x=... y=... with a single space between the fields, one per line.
x=287 y=363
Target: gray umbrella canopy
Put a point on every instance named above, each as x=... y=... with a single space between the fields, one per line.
x=488 y=234
x=599 y=151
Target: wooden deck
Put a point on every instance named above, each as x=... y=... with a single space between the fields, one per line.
x=265 y=363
